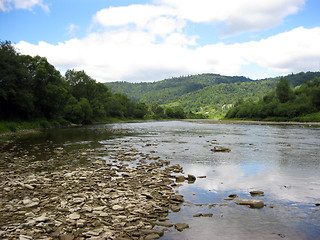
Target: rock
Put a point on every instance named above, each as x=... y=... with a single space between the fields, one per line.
x=117 y=208
x=317 y=204
x=257 y=193
x=164 y=224
x=181 y=226
x=152 y=236
x=24 y=237
x=177 y=198
x=233 y=196
x=42 y=218
x=28 y=186
x=191 y=178
x=220 y=149
x=251 y=203
x=180 y=178
x=197 y=215
x=74 y=216
x=202 y=177
x=175 y=208
x=207 y=215
x=78 y=200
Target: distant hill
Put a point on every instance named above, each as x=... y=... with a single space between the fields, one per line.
x=212 y=94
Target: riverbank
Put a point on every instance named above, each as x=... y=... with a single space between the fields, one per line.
x=77 y=195
x=249 y=122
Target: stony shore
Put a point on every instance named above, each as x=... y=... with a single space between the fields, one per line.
x=55 y=199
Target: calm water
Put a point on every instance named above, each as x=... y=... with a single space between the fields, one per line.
x=282 y=161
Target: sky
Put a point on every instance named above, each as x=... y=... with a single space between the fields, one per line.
x=151 y=40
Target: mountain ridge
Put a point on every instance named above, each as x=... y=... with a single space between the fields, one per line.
x=204 y=93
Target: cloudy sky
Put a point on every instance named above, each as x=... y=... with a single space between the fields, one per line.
x=152 y=40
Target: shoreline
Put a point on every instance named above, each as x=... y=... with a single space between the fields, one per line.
x=76 y=194
x=251 y=122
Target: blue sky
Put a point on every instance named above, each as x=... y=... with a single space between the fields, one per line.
x=137 y=41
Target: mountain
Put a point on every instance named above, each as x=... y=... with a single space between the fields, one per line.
x=207 y=93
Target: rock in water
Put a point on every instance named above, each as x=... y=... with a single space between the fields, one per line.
x=191 y=178
x=181 y=226
x=221 y=149
x=251 y=203
x=257 y=193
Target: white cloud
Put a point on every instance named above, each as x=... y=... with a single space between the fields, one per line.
x=237 y=16
x=8 y=5
x=137 y=56
x=292 y=51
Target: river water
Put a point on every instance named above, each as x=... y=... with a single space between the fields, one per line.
x=282 y=161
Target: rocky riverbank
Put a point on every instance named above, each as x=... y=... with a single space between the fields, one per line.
x=55 y=199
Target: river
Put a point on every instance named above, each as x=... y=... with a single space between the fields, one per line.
x=280 y=160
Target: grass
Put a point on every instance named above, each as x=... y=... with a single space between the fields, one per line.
x=16 y=126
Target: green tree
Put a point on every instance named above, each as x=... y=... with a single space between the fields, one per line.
x=283 y=91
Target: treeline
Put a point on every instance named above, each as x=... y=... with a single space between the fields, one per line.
x=283 y=103
x=31 y=88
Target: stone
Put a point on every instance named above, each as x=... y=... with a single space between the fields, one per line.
x=117 y=208
x=233 y=196
x=164 y=224
x=24 y=237
x=180 y=178
x=177 y=198
x=42 y=218
x=197 y=215
x=257 y=193
x=220 y=149
x=251 y=203
x=28 y=186
x=191 y=178
x=74 y=216
x=175 y=208
x=207 y=215
x=152 y=236
x=181 y=226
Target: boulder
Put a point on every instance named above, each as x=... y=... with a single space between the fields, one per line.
x=191 y=178
x=257 y=193
x=251 y=203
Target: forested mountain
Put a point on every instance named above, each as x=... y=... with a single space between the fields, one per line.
x=284 y=103
x=205 y=93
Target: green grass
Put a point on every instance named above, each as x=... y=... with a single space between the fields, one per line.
x=16 y=126
x=312 y=117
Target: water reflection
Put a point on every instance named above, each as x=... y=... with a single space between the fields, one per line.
x=282 y=161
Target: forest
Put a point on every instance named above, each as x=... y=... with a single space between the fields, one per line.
x=301 y=103
x=211 y=95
